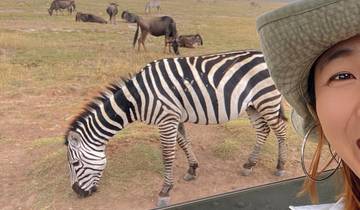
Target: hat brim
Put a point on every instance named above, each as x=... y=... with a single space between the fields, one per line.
x=302 y=127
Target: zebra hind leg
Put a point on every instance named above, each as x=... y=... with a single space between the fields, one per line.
x=185 y=145
x=164 y=197
x=277 y=124
x=262 y=132
x=280 y=133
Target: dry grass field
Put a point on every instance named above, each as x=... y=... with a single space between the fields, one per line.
x=51 y=66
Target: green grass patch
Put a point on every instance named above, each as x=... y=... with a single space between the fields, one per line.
x=227 y=150
x=45 y=181
x=234 y=125
x=48 y=141
x=139 y=132
x=132 y=165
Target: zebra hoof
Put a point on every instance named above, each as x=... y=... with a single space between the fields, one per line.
x=279 y=172
x=163 y=201
x=246 y=171
x=189 y=177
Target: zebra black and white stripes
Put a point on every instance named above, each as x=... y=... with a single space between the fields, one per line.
x=209 y=89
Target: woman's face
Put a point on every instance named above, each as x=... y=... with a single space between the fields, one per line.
x=337 y=91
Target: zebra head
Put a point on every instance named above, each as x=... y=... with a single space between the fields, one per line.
x=85 y=163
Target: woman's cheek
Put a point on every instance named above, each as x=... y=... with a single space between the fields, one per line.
x=331 y=110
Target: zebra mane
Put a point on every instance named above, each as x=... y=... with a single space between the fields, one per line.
x=102 y=96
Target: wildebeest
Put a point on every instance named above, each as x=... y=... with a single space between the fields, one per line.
x=129 y=17
x=112 y=11
x=156 y=26
x=152 y=4
x=62 y=4
x=86 y=17
x=189 y=41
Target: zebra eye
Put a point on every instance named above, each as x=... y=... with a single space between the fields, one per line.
x=75 y=163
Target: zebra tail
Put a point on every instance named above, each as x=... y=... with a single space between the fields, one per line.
x=136 y=34
x=282 y=113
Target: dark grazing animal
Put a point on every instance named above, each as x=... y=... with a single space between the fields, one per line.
x=112 y=11
x=87 y=17
x=152 y=4
x=129 y=17
x=156 y=26
x=189 y=41
x=208 y=89
x=62 y=4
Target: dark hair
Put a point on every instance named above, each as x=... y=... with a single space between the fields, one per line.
x=311 y=88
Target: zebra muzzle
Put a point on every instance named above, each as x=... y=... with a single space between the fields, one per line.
x=83 y=193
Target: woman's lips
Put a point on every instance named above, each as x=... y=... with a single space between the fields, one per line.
x=358 y=143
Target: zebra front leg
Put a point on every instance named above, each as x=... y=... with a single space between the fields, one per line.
x=262 y=132
x=168 y=134
x=185 y=145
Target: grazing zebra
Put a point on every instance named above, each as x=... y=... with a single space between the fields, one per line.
x=209 y=89
x=152 y=4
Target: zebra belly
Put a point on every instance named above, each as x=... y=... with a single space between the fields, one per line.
x=220 y=119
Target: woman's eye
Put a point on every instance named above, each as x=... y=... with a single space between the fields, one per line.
x=341 y=76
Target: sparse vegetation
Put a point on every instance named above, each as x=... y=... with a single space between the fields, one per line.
x=227 y=149
x=138 y=160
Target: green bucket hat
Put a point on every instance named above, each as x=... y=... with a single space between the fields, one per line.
x=294 y=36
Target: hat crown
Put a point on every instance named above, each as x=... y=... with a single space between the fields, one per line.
x=293 y=9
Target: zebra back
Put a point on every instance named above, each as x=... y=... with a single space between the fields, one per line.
x=210 y=89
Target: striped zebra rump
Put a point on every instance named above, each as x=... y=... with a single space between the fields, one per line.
x=208 y=89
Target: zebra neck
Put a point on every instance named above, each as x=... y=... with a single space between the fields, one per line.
x=106 y=116
x=119 y=108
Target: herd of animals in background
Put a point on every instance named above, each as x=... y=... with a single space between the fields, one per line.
x=156 y=26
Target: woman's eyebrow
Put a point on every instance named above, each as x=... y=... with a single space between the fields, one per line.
x=339 y=54
x=333 y=55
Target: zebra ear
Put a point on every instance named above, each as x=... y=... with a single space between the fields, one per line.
x=74 y=139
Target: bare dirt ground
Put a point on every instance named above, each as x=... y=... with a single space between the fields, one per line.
x=29 y=116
